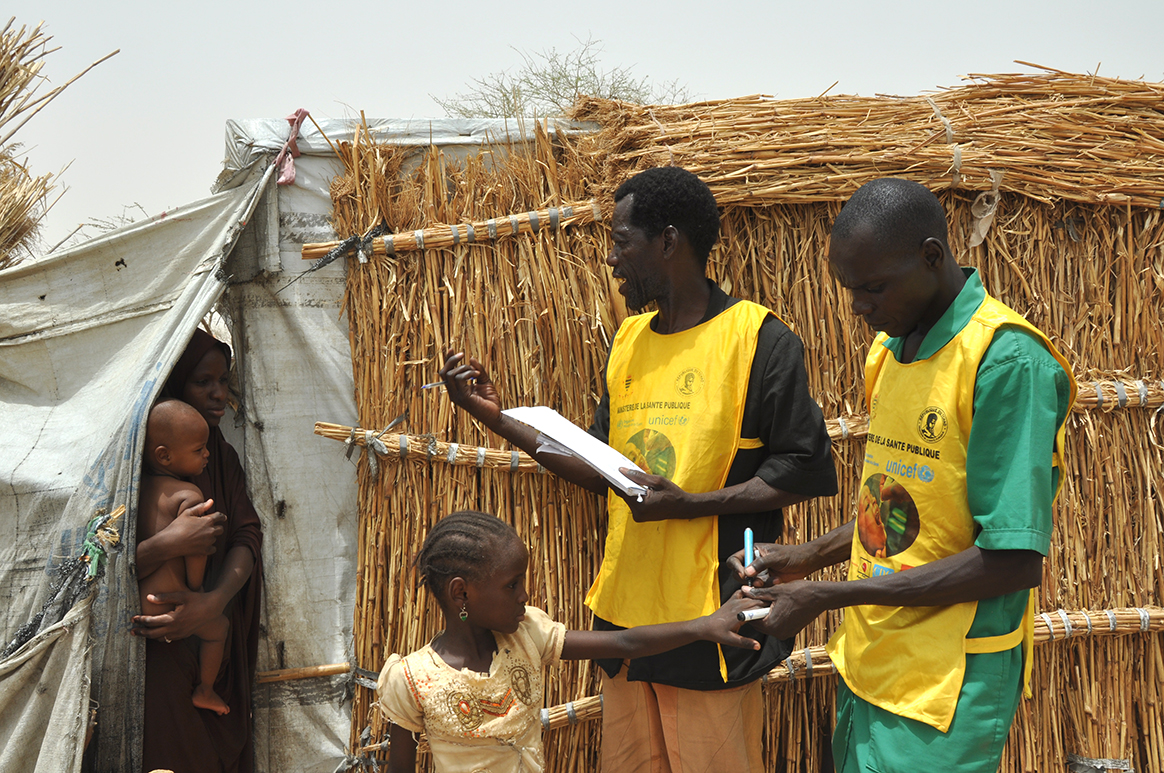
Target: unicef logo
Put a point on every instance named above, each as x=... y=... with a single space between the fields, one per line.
x=925 y=474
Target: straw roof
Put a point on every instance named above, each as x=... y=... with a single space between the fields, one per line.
x=23 y=195
x=1052 y=135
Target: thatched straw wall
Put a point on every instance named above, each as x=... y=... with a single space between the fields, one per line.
x=539 y=311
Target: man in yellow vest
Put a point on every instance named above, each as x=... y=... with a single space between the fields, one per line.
x=967 y=403
x=709 y=393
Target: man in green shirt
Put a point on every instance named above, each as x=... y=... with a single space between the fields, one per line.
x=931 y=651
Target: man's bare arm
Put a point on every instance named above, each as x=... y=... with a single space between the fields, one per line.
x=970 y=575
x=469 y=387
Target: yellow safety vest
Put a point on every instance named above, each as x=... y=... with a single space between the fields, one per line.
x=676 y=406
x=912 y=509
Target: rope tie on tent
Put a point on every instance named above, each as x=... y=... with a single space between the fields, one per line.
x=956 y=166
x=983 y=209
x=945 y=121
x=1049 y=624
x=351 y=445
x=374 y=448
x=1121 y=394
x=285 y=161
x=1067 y=629
x=1079 y=764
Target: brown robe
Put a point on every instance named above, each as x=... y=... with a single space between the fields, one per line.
x=179 y=736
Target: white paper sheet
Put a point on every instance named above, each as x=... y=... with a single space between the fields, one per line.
x=568 y=438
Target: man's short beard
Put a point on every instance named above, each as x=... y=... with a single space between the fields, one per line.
x=640 y=295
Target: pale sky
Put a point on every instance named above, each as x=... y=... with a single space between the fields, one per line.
x=147 y=127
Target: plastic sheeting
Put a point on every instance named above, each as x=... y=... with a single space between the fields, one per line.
x=295 y=367
x=86 y=339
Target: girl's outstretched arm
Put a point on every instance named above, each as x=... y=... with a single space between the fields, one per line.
x=720 y=626
x=401 y=750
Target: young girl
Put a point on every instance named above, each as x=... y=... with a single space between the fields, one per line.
x=477 y=689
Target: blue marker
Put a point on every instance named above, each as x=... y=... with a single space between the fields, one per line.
x=749 y=550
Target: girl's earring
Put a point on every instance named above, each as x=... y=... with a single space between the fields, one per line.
x=464 y=611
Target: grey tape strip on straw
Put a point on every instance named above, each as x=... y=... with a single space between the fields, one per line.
x=1050 y=625
x=1121 y=394
x=1079 y=764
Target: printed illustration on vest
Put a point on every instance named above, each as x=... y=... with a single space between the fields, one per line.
x=887 y=518
x=867 y=568
x=690 y=382
x=652 y=451
x=932 y=424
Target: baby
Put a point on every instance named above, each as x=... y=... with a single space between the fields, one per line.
x=175 y=449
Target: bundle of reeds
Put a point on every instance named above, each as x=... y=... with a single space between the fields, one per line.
x=539 y=311
x=23 y=196
x=1052 y=136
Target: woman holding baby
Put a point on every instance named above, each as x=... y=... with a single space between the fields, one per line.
x=225 y=528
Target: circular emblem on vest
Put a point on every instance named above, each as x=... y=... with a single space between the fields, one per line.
x=652 y=451
x=690 y=382
x=932 y=424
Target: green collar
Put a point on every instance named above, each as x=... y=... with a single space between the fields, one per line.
x=953 y=320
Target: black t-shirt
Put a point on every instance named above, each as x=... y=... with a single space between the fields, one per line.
x=795 y=457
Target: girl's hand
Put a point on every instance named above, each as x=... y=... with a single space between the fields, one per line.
x=192 y=611
x=721 y=625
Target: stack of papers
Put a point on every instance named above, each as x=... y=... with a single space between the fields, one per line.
x=560 y=436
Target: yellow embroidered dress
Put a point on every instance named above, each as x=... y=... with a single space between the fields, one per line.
x=475 y=722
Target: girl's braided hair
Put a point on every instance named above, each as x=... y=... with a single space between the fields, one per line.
x=462 y=544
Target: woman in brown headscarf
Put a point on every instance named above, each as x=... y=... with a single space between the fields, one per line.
x=178 y=735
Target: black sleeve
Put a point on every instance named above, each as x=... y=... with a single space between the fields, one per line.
x=782 y=413
x=601 y=426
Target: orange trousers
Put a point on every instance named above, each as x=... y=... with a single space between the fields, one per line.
x=656 y=728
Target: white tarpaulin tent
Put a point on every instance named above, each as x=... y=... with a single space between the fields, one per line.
x=87 y=338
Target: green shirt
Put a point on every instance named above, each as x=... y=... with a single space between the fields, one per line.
x=1021 y=396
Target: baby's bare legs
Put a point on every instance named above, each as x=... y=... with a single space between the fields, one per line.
x=213 y=636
